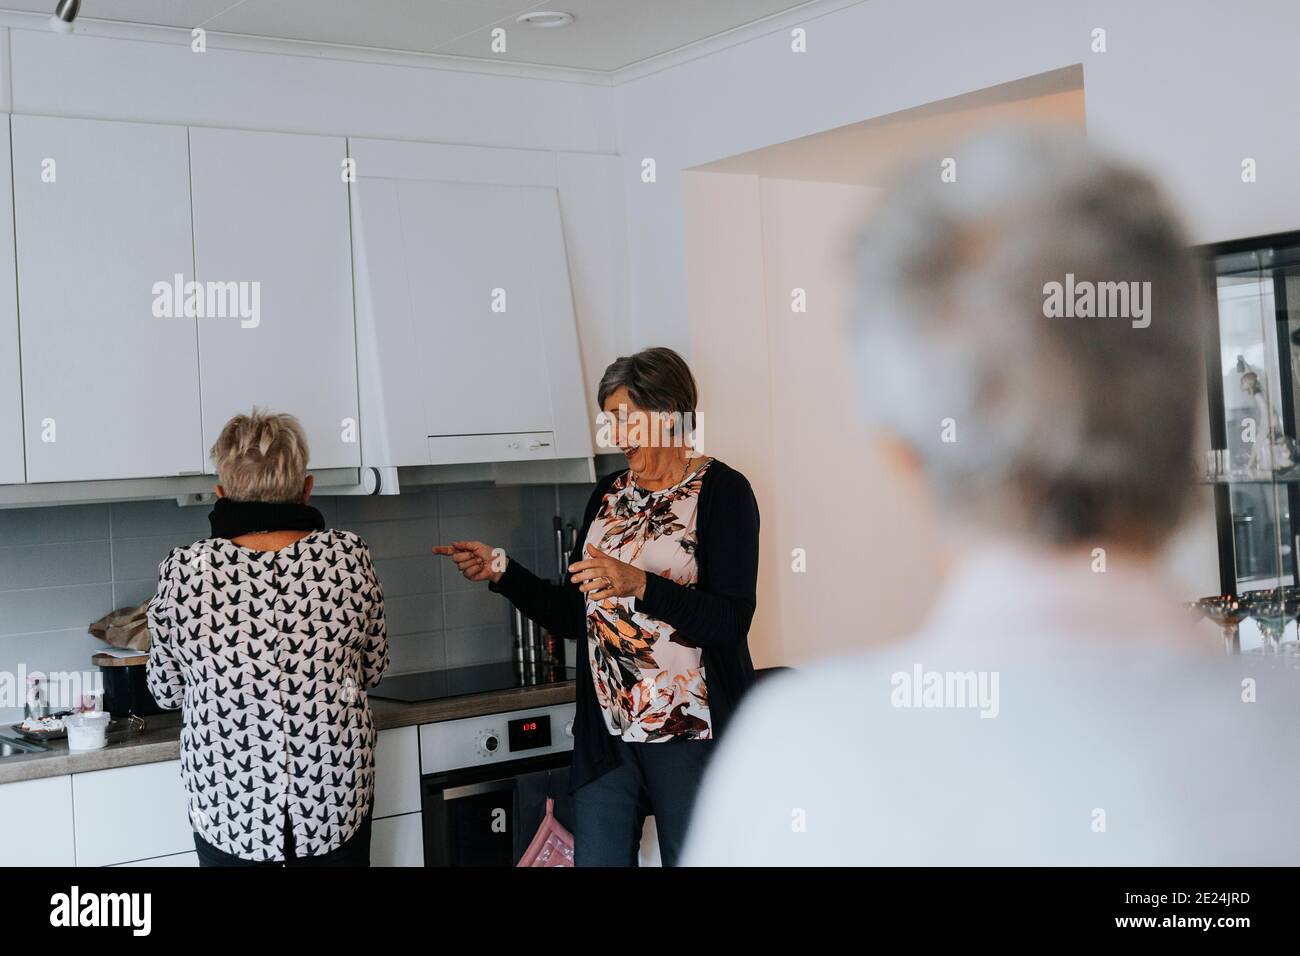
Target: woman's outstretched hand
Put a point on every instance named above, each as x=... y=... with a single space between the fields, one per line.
x=601 y=576
x=475 y=560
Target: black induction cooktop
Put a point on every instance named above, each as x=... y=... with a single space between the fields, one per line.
x=463 y=681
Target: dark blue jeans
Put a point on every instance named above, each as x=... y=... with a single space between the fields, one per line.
x=659 y=779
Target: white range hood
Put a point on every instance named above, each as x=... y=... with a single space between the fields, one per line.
x=467 y=345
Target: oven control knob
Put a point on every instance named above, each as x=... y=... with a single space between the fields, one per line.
x=568 y=729
x=489 y=743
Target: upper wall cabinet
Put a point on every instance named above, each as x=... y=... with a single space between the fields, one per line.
x=271 y=246
x=11 y=397
x=468 y=345
x=109 y=360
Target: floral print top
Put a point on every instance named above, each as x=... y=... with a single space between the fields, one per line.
x=649 y=681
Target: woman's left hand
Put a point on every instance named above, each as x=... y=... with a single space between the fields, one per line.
x=601 y=577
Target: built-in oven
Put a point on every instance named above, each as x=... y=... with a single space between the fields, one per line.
x=485 y=782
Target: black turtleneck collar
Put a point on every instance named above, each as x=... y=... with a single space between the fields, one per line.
x=230 y=519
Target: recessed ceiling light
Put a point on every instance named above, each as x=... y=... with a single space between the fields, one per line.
x=545 y=19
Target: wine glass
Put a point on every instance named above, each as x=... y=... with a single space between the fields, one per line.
x=1271 y=610
x=1227 y=611
x=1292 y=647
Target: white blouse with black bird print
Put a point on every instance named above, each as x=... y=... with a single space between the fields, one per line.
x=269 y=654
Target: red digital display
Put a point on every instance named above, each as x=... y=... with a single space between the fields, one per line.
x=529 y=733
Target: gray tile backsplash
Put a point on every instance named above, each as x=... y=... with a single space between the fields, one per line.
x=62 y=567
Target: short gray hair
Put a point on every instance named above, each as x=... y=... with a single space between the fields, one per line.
x=658 y=380
x=262 y=456
x=1062 y=429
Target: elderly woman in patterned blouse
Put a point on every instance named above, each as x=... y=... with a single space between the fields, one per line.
x=267 y=635
x=661 y=593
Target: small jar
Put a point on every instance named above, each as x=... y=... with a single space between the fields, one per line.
x=87 y=730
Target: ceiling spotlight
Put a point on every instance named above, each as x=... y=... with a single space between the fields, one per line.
x=64 y=14
x=545 y=19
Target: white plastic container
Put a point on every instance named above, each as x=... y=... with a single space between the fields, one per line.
x=87 y=731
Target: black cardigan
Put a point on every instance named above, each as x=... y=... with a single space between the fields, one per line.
x=714 y=615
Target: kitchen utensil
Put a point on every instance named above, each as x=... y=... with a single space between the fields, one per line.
x=561 y=556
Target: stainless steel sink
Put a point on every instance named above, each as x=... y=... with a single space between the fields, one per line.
x=16 y=748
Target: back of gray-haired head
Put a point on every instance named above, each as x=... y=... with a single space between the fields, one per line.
x=1067 y=429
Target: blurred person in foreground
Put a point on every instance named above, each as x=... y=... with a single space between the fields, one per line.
x=1059 y=705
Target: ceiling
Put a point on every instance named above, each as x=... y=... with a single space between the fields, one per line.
x=605 y=35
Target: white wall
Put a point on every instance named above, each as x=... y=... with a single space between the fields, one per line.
x=713 y=255
x=730 y=355
x=782 y=407
x=870 y=547
x=1189 y=87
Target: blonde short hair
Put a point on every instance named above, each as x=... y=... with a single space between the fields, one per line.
x=262 y=456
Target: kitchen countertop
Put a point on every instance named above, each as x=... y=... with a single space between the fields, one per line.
x=161 y=737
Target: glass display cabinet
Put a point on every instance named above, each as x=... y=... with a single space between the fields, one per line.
x=1253 y=369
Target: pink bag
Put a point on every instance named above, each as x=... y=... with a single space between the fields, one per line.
x=552 y=846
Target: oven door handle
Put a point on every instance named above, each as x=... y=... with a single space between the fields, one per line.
x=474 y=789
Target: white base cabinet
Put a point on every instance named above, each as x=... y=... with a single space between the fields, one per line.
x=397 y=833
x=397 y=772
x=138 y=816
x=397 y=841
x=36 y=820
x=131 y=813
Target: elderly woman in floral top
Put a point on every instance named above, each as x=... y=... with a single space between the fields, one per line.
x=661 y=592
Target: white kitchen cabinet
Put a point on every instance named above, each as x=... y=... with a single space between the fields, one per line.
x=37 y=823
x=478 y=297
x=467 y=342
x=397 y=841
x=11 y=396
x=110 y=366
x=397 y=833
x=397 y=772
x=131 y=813
x=271 y=215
